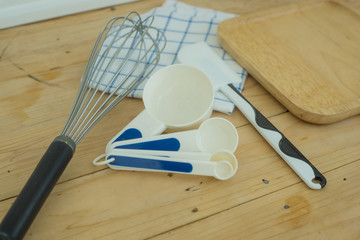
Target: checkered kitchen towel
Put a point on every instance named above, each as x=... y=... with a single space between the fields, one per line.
x=183 y=24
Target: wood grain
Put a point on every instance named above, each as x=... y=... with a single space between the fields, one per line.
x=41 y=65
x=291 y=213
x=306 y=54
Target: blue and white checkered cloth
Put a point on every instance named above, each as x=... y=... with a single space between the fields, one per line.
x=182 y=25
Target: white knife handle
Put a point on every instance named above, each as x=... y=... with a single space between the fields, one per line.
x=292 y=156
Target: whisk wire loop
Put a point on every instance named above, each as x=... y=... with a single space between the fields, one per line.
x=123 y=56
x=92 y=91
x=95 y=89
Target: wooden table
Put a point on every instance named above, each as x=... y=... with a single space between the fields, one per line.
x=41 y=65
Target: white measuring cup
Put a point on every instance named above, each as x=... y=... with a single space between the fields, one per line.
x=222 y=164
x=177 y=97
x=212 y=135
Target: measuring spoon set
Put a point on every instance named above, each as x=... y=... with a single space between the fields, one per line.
x=178 y=99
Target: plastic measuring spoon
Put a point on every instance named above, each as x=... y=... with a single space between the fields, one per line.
x=212 y=135
x=177 y=97
x=221 y=165
x=200 y=55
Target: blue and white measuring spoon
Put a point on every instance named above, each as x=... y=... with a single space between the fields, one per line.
x=212 y=135
x=222 y=164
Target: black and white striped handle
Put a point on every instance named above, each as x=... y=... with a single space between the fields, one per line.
x=292 y=156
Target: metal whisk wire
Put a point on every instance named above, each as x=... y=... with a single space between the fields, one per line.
x=139 y=44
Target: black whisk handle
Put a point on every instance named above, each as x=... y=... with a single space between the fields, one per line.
x=38 y=187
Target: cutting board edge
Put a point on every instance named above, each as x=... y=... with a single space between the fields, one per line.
x=300 y=112
x=307 y=115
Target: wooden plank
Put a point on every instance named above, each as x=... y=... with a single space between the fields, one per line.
x=60 y=42
x=290 y=213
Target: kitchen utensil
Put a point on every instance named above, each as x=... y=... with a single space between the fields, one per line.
x=200 y=55
x=221 y=164
x=177 y=97
x=306 y=54
x=140 y=53
x=212 y=135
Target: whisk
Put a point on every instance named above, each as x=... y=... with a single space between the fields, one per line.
x=125 y=53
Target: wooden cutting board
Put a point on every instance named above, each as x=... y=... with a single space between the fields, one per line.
x=307 y=55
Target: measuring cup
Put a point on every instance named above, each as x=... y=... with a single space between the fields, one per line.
x=222 y=164
x=212 y=135
x=177 y=97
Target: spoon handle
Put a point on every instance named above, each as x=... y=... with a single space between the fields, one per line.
x=221 y=170
x=292 y=156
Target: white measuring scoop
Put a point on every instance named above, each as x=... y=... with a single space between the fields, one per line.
x=212 y=135
x=177 y=97
x=200 y=55
x=222 y=164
